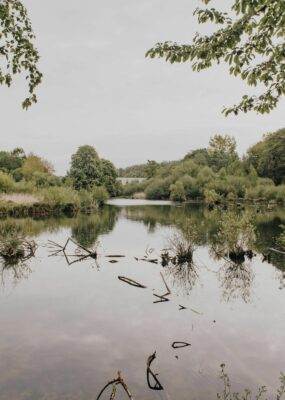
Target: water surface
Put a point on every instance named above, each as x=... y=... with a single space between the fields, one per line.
x=67 y=329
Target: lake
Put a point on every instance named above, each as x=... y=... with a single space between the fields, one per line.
x=67 y=327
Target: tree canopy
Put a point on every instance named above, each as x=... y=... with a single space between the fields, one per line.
x=88 y=170
x=250 y=39
x=17 y=51
x=268 y=156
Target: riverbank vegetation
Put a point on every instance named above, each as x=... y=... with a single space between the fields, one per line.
x=29 y=186
x=217 y=173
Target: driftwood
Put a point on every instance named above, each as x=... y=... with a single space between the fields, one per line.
x=157 y=385
x=114 y=256
x=191 y=309
x=118 y=381
x=180 y=345
x=163 y=297
x=81 y=252
x=150 y=260
x=131 y=282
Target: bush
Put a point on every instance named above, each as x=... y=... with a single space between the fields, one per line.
x=6 y=182
x=100 y=194
x=60 y=196
x=177 y=192
x=158 y=189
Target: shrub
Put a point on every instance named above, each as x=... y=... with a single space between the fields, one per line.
x=60 y=196
x=177 y=192
x=100 y=194
x=6 y=182
x=158 y=189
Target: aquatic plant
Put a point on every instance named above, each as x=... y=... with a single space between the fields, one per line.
x=228 y=394
x=236 y=236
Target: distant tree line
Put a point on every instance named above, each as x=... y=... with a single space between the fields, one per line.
x=217 y=172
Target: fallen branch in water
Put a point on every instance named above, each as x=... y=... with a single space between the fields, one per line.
x=150 y=260
x=157 y=385
x=277 y=251
x=180 y=345
x=114 y=383
x=81 y=252
x=114 y=256
x=163 y=297
x=131 y=282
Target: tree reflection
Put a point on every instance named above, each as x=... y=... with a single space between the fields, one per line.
x=236 y=280
x=87 y=228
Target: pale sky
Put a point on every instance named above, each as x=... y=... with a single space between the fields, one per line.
x=99 y=89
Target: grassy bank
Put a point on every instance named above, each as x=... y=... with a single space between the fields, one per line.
x=51 y=201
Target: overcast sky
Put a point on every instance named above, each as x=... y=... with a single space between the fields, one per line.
x=99 y=89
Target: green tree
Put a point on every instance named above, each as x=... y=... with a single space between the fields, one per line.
x=10 y=161
x=222 y=151
x=17 y=52
x=150 y=169
x=86 y=168
x=35 y=164
x=199 y=156
x=268 y=156
x=250 y=39
x=109 y=176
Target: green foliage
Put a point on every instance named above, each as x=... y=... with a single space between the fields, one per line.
x=236 y=234
x=158 y=189
x=11 y=161
x=6 y=182
x=250 y=39
x=86 y=168
x=17 y=51
x=60 y=196
x=130 y=188
x=109 y=175
x=211 y=196
x=281 y=238
x=100 y=194
x=228 y=394
x=268 y=156
x=222 y=151
x=35 y=164
x=177 y=192
x=150 y=169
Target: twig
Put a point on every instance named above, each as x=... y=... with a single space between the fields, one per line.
x=131 y=282
x=157 y=385
x=113 y=383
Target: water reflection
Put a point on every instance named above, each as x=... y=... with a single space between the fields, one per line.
x=66 y=331
x=183 y=276
x=236 y=281
x=87 y=228
x=12 y=274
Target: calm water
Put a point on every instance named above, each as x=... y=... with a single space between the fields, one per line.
x=65 y=330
